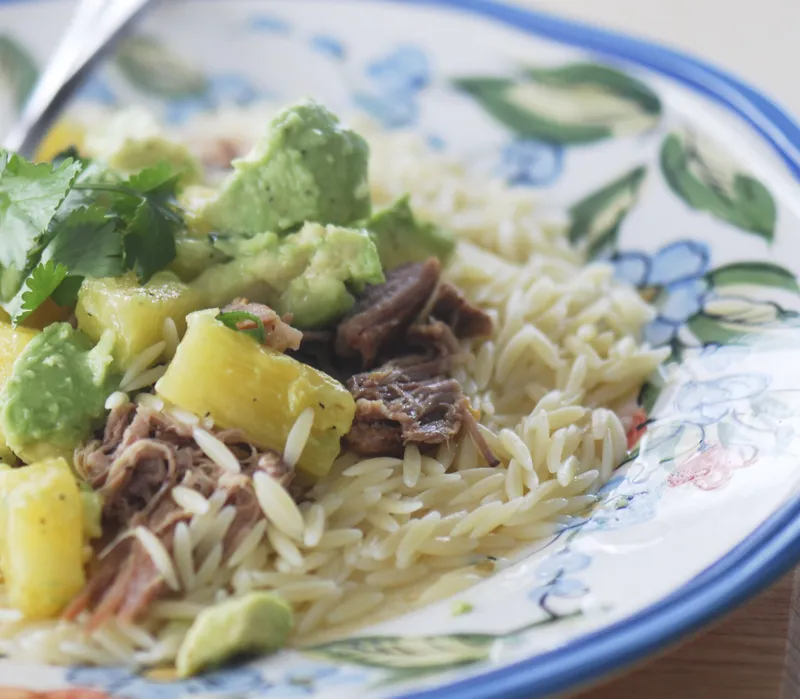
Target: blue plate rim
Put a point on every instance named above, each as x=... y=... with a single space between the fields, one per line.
x=766 y=553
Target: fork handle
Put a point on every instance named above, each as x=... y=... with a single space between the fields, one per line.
x=93 y=30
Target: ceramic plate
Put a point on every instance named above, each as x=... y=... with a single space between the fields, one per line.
x=681 y=176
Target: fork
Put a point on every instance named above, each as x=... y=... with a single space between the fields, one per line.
x=93 y=29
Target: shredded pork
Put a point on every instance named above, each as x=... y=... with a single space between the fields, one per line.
x=142 y=456
x=395 y=351
x=409 y=401
x=406 y=333
x=463 y=318
x=383 y=314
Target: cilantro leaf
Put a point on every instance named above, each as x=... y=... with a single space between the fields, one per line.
x=149 y=241
x=30 y=194
x=39 y=286
x=66 y=294
x=150 y=237
x=252 y=324
x=159 y=181
x=64 y=222
x=88 y=243
x=157 y=184
x=83 y=193
x=143 y=204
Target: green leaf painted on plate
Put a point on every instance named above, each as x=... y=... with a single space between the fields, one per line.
x=776 y=405
x=596 y=219
x=731 y=319
x=707 y=179
x=154 y=68
x=649 y=393
x=672 y=440
x=572 y=104
x=713 y=330
x=726 y=433
x=409 y=652
x=17 y=69
x=601 y=77
x=754 y=273
x=416 y=655
x=631 y=456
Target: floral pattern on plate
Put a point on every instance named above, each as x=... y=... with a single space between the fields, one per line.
x=703 y=229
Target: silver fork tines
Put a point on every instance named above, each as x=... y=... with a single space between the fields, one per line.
x=94 y=27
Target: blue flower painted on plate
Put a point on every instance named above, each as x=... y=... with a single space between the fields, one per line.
x=531 y=163
x=785 y=436
x=611 y=485
x=307 y=678
x=392 y=113
x=715 y=357
x=625 y=509
x=268 y=23
x=328 y=45
x=223 y=89
x=123 y=683
x=233 y=88
x=673 y=279
x=622 y=504
x=405 y=69
x=555 y=575
x=96 y=89
x=562 y=562
x=436 y=142
x=393 y=85
x=669 y=438
x=707 y=402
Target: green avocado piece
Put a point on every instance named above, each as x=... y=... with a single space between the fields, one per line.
x=56 y=392
x=258 y=622
x=192 y=201
x=307 y=168
x=341 y=260
x=193 y=256
x=136 y=154
x=311 y=274
x=401 y=238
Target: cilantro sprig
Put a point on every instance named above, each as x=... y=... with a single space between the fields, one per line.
x=147 y=220
x=62 y=223
x=29 y=198
x=43 y=281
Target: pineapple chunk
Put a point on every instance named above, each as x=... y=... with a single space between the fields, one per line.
x=247 y=386
x=12 y=342
x=41 y=537
x=134 y=313
x=63 y=135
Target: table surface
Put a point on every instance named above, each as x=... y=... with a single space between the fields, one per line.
x=744 y=656
x=747 y=654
